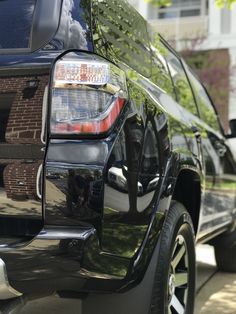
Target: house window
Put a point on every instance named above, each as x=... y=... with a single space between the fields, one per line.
x=225 y=20
x=183 y=8
x=6 y=100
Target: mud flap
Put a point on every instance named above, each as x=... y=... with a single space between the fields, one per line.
x=136 y=300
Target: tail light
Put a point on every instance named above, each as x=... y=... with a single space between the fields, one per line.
x=88 y=94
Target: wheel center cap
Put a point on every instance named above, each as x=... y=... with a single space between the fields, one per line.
x=171 y=285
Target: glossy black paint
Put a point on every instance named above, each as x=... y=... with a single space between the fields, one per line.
x=77 y=182
x=14 y=20
x=104 y=198
x=109 y=27
x=23 y=99
x=74 y=30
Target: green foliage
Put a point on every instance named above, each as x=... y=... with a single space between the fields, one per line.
x=160 y=3
x=166 y=3
x=222 y=3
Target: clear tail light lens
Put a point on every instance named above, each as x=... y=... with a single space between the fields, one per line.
x=87 y=95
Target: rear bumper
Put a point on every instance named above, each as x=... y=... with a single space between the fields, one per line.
x=59 y=259
x=81 y=248
x=6 y=290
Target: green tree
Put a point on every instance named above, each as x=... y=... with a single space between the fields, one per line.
x=166 y=3
x=160 y=3
x=222 y=3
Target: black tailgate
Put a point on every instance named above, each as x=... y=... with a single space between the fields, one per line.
x=23 y=104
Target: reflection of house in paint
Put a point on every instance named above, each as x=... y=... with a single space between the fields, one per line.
x=200 y=25
x=209 y=28
x=117 y=179
x=21 y=100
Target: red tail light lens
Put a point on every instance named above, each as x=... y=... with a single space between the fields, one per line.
x=87 y=96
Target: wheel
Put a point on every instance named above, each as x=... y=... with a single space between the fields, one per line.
x=225 y=252
x=168 y=286
x=174 y=281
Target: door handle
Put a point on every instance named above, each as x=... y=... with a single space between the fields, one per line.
x=220 y=149
x=38 y=182
x=196 y=131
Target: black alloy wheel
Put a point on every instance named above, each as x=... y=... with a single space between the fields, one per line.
x=174 y=282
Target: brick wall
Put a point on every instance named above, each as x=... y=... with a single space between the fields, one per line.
x=20 y=180
x=25 y=120
x=220 y=87
x=213 y=68
x=23 y=127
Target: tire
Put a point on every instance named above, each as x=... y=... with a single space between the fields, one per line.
x=226 y=254
x=174 y=282
x=150 y=296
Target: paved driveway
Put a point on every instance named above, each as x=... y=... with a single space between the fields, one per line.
x=217 y=294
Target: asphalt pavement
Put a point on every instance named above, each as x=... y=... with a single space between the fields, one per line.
x=216 y=292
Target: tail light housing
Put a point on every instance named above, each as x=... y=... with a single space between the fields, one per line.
x=88 y=95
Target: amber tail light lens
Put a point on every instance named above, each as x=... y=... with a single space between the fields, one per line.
x=88 y=95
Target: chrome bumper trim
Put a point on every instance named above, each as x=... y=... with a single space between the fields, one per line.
x=66 y=233
x=6 y=291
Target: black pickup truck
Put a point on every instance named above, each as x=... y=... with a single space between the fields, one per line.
x=113 y=163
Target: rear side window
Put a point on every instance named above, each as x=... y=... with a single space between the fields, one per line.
x=160 y=73
x=119 y=30
x=182 y=87
x=16 y=18
x=205 y=107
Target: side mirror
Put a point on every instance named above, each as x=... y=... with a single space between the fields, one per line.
x=232 y=125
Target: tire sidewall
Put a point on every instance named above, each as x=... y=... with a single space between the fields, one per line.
x=177 y=222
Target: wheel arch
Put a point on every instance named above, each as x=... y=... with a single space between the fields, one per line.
x=187 y=191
